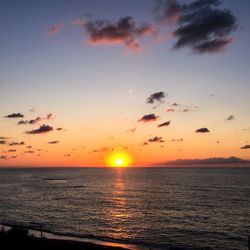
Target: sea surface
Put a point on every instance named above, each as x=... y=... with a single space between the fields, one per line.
x=157 y=208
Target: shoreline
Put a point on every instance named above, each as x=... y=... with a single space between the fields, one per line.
x=70 y=238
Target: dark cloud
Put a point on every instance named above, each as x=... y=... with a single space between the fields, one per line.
x=202 y=130
x=29 y=147
x=17 y=143
x=230 y=118
x=167 y=11
x=201 y=25
x=11 y=150
x=158 y=97
x=125 y=32
x=53 y=142
x=164 y=124
x=148 y=118
x=213 y=46
x=22 y=122
x=14 y=115
x=41 y=130
x=155 y=139
x=3 y=157
x=2 y=142
x=246 y=147
x=59 y=129
x=36 y=120
x=32 y=122
x=29 y=152
x=67 y=155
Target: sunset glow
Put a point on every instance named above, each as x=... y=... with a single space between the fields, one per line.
x=119 y=159
x=83 y=90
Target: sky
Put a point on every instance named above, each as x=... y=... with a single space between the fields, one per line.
x=155 y=80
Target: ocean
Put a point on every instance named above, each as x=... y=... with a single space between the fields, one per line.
x=157 y=208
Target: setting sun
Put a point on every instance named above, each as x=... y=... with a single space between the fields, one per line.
x=119 y=159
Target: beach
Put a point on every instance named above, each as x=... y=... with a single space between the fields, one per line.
x=22 y=238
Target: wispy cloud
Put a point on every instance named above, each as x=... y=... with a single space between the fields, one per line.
x=132 y=130
x=55 y=29
x=170 y=110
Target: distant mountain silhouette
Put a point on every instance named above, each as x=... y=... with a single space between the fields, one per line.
x=209 y=161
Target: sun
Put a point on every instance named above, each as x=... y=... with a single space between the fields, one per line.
x=119 y=159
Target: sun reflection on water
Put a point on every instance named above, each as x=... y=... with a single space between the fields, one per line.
x=119 y=211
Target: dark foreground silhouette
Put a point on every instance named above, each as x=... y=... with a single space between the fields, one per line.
x=19 y=238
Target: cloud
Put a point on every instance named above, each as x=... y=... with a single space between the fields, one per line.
x=36 y=120
x=246 y=147
x=155 y=139
x=186 y=110
x=2 y=142
x=17 y=143
x=202 y=130
x=200 y=25
x=14 y=115
x=59 y=129
x=170 y=110
x=132 y=130
x=158 y=96
x=149 y=118
x=4 y=138
x=103 y=150
x=49 y=116
x=53 y=142
x=164 y=124
x=56 y=28
x=33 y=110
x=32 y=122
x=177 y=140
x=230 y=118
x=29 y=152
x=41 y=130
x=79 y=22
x=167 y=11
x=125 y=32
x=3 y=157
x=11 y=150
x=175 y=104
x=29 y=147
